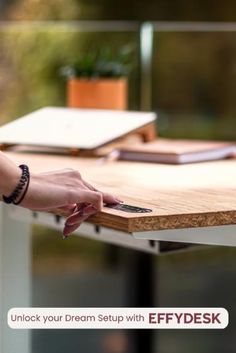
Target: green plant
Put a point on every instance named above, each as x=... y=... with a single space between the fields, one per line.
x=100 y=63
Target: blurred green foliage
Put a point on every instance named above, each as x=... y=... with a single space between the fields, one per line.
x=194 y=75
x=102 y=62
x=30 y=60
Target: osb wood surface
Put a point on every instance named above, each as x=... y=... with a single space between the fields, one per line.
x=196 y=195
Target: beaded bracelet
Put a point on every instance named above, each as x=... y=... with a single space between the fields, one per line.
x=23 y=184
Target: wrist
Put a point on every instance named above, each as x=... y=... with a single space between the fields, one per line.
x=10 y=182
x=18 y=194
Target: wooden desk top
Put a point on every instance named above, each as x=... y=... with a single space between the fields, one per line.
x=196 y=195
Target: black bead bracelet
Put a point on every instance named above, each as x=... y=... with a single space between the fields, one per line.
x=20 y=191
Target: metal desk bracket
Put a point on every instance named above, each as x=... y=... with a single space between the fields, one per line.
x=220 y=235
x=87 y=230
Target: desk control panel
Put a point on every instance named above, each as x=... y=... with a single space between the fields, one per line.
x=128 y=208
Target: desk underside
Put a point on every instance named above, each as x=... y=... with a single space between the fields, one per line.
x=185 y=196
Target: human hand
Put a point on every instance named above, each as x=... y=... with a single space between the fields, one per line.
x=67 y=191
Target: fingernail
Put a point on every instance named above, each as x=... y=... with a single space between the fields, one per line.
x=69 y=224
x=66 y=234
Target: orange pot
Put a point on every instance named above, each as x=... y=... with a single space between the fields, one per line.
x=97 y=93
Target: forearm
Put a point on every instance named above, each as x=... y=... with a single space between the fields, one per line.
x=10 y=174
x=64 y=190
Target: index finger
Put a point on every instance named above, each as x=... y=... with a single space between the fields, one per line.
x=86 y=196
x=107 y=198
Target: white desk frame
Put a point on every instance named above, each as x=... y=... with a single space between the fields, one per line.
x=15 y=257
x=220 y=235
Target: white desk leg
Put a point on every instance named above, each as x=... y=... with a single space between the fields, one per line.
x=15 y=278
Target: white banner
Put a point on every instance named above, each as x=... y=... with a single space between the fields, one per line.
x=118 y=318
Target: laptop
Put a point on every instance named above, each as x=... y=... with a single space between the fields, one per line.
x=73 y=128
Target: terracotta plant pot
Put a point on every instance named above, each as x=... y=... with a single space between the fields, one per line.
x=97 y=93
